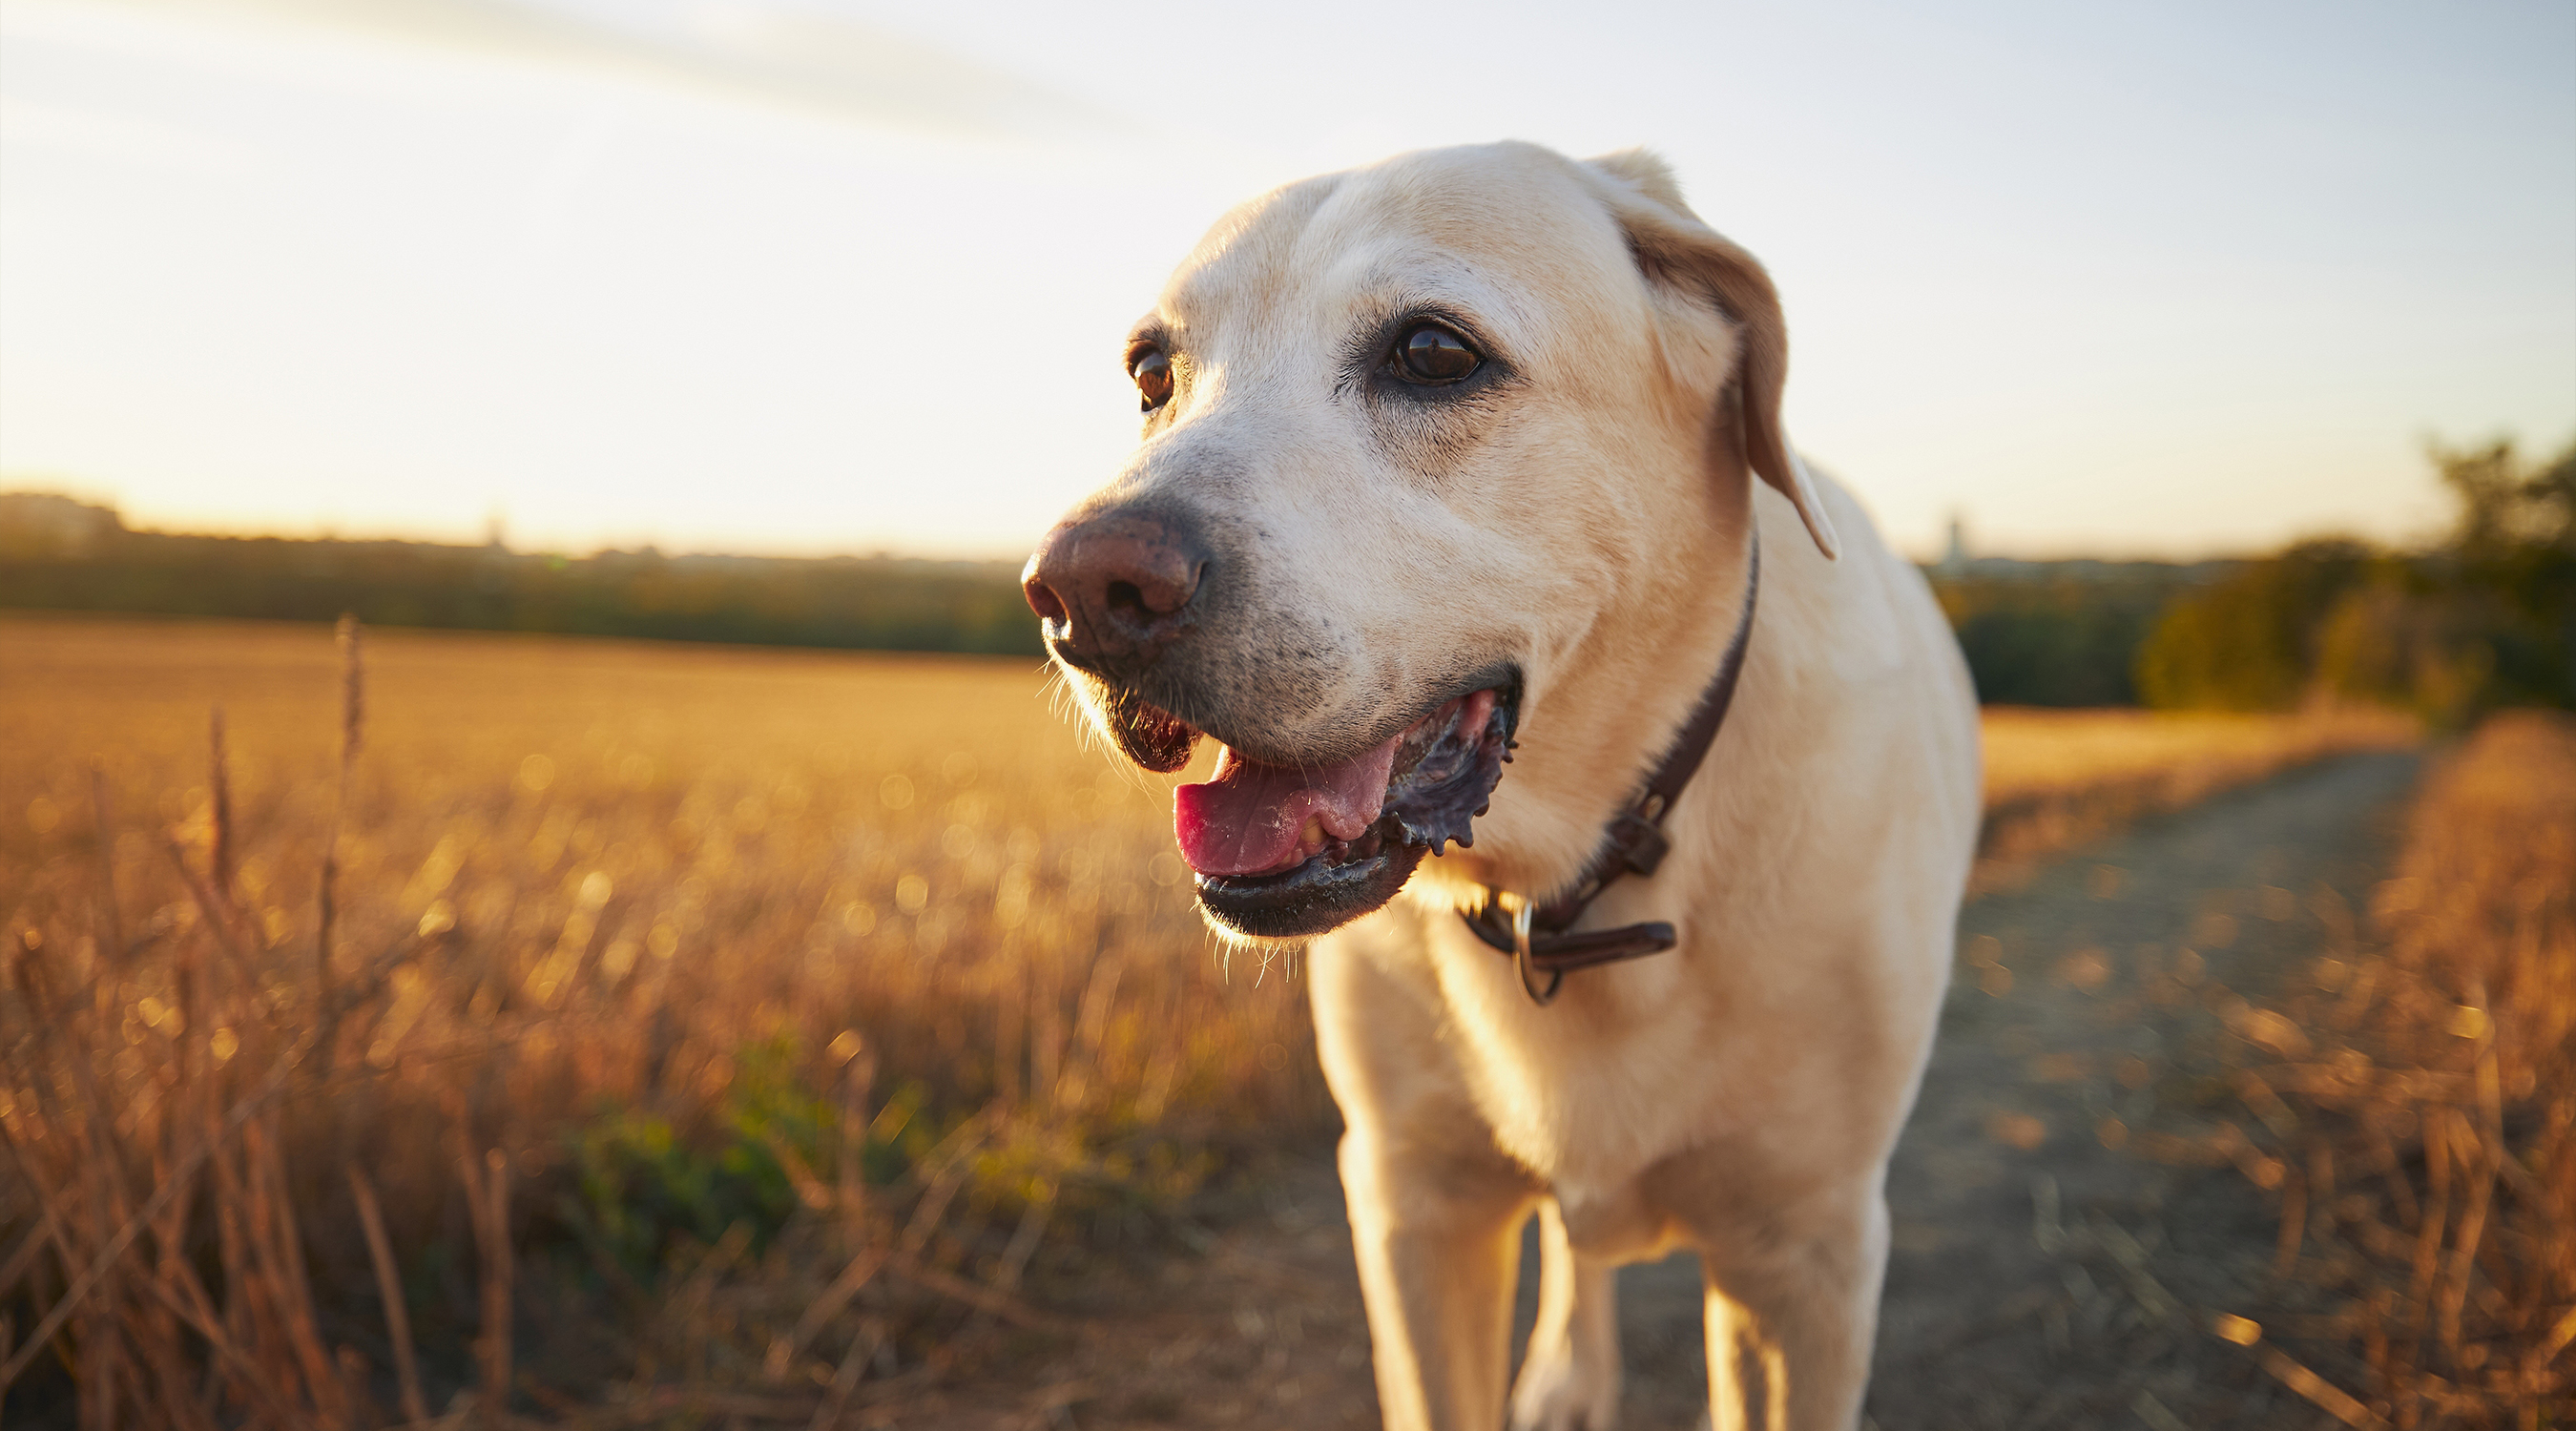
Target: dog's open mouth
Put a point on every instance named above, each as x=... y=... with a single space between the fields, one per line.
x=1286 y=851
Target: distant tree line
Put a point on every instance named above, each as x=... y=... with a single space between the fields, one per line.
x=2487 y=617
x=2060 y=633
x=54 y=563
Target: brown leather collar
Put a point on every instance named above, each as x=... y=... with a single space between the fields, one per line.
x=1542 y=939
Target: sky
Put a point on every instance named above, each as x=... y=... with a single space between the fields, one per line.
x=809 y=277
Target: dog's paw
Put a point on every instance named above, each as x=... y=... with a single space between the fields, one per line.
x=1556 y=1393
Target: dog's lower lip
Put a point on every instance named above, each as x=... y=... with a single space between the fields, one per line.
x=1313 y=897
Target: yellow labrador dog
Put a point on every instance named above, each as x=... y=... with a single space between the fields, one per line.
x=1623 y=780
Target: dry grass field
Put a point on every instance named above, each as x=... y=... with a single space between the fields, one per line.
x=2055 y=778
x=2416 y=1105
x=694 y=1034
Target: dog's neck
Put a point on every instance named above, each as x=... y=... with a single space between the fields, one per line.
x=1586 y=776
x=1542 y=939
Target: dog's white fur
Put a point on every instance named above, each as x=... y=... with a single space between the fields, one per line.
x=1588 y=520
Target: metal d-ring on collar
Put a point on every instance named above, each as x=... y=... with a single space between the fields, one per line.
x=1521 y=956
x=1542 y=941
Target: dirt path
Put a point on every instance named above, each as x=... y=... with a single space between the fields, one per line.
x=1998 y=1314
x=2041 y=1277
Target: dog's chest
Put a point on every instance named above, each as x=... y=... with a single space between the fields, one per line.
x=1616 y=1074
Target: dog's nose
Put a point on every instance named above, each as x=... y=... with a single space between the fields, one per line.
x=1113 y=589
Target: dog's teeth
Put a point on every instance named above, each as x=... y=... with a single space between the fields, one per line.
x=1314 y=831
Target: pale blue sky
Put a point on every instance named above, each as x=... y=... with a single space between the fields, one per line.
x=832 y=277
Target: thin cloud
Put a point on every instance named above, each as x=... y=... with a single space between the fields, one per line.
x=125 y=139
x=762 y=54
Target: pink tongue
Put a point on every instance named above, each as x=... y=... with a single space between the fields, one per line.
x=1251 y=817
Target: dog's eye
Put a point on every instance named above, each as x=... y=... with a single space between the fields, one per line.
x=1152 y=370
x=1429 y=353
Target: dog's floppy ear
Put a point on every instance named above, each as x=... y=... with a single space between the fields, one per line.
x=1676 y=249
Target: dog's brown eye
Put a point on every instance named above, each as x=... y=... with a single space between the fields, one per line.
x=1152 y=370
x=1430 y=353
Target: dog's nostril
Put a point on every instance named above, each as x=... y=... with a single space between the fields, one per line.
x=1043 y=600
x=1128 y=598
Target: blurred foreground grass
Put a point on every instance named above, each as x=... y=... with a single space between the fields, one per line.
x=702 y=1032
x=2415 y=1110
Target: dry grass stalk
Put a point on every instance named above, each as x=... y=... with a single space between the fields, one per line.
x=845 y=1380
x=2336 y=1401
x=824 y=1307
x=111 y=924
x=219 y=838
x=487 y=1200
x=389 y=1286
x=353 y=705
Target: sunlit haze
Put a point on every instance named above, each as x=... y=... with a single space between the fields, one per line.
x=825 y=277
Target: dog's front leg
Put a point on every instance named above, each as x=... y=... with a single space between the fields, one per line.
x=1792 y=1306
x=1435 y=1205
x=1437 y=1256
x=1569 y=1379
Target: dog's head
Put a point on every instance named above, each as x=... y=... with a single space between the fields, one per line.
x=1422 y=441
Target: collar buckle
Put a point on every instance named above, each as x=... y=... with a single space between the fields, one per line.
x=1637 y=842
